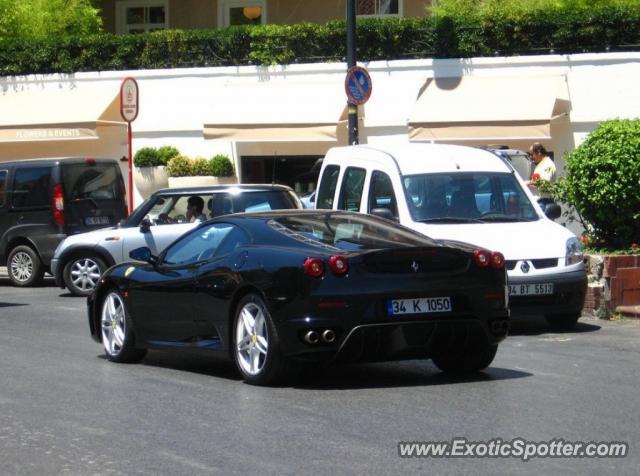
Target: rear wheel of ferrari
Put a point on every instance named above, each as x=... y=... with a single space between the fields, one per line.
x=118 y=337
x=255 y=343
x=467 y=359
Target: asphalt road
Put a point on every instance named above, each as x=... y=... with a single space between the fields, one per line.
x=64 y=409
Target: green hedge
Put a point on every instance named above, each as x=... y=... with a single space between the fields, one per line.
x=611 y=27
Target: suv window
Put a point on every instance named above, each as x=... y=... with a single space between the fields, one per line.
x=351 y=192
x=31 y=187
x=327 y=188
x=381 y=193
x=3 y=179
x=92 y=182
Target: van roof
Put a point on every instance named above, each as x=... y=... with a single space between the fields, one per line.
x=416 y=158
x=56 y=160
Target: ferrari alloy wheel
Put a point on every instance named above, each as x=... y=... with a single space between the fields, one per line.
x=117 y=333
x=255 y=342
x=24 y=266
x=82 y=273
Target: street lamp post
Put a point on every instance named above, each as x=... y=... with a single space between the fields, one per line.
x=352 y=108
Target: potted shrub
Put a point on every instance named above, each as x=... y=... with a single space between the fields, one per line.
x=150 y=168
x=185 y=172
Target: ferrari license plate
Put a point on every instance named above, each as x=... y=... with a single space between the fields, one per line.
x=397 y=307
x=531 y=289
x=97 y=221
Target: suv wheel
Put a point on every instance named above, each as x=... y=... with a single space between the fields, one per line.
x=24 y=266
x=82 y=273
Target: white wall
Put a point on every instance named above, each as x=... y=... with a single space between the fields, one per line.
x=175 y=104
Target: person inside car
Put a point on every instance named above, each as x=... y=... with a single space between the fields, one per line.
x=195 y=205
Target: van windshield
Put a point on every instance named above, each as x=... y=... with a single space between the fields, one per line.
x=473 y=197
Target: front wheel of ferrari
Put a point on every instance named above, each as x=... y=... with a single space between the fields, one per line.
x=256 y=347
x=118 y=337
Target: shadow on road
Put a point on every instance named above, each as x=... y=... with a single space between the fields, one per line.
x=537 y=325
x=188 y=362
x=395 y=374
x=12 y=304
x=334 y=377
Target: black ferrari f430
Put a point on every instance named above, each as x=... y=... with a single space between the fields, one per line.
x=271 y=289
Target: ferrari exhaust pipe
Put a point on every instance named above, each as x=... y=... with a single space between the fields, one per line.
x=499 y=327
x=328 y=336
x=311 y=337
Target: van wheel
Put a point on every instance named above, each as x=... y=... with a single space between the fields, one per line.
x=82 y=273
x=24 y=266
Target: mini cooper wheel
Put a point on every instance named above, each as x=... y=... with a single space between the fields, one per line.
x=255 y=343
x=24 y=266
x=466 y=360
x=82 y=273
x=118 y=337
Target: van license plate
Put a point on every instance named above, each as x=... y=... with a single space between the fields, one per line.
x=97 y=221
x=531 y=289
x=418 y=306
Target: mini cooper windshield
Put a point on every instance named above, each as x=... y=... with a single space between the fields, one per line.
x=473 y=197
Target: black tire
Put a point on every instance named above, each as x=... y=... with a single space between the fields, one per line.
x=82 y=273
x=24 y=266
x=272 y=367
x=116 y=329
x=565 y=321
x=466 y=360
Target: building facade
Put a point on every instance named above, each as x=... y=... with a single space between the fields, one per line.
x=275 y=122
x=133 y=16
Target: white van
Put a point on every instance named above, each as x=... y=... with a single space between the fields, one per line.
x=471 y=195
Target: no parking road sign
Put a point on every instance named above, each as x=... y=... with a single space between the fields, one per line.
x=358 y=85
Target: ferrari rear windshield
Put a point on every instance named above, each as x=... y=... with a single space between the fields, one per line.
x=348 y=232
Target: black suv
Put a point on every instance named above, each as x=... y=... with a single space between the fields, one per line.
x=44 y=200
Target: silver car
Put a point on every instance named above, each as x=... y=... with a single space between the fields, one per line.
x=81 y=259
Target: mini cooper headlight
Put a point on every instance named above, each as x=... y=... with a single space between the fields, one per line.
x=574 y=252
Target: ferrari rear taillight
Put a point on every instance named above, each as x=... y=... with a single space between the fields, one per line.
x=482 y=257
x=339 y=265
x=57 y=204
x=486 y=258
x=313 y=267
x=497 y=260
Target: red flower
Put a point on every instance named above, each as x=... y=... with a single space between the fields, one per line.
x=535 y=177
x=635 y=246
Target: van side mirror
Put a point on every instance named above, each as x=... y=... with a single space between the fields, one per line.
x=145 y=225
x=552 y=211
x=383 y=213
x=143 y=254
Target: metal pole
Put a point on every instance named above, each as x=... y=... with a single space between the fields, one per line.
x=130 y=167
x=352 y=109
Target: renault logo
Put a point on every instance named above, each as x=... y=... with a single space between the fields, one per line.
x=524 y=267
x=415 y=267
